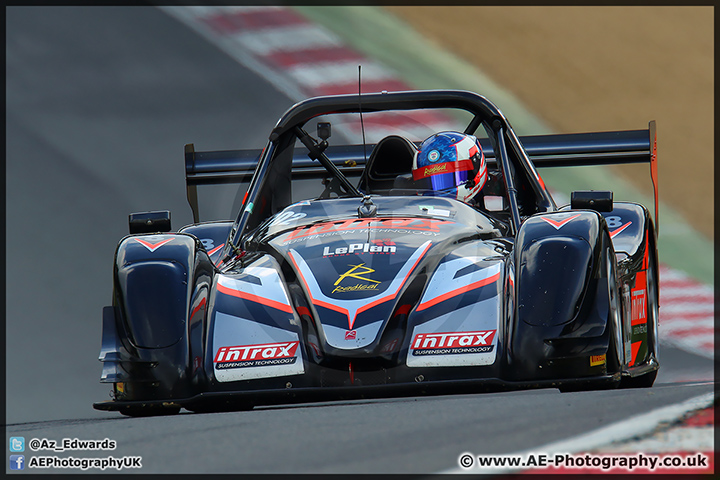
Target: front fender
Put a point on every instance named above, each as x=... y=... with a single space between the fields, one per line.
x=159 y=287
x=562 y=310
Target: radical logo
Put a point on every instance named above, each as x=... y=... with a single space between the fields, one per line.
x=356 y=272
x=435 y=169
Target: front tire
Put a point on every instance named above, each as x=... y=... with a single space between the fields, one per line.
x=614 y=351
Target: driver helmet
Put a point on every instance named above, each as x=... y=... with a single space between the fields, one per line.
x=450 y=164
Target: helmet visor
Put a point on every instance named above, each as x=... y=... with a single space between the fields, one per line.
x=445 y=182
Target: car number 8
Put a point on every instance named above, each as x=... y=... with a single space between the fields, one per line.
x=613 y=222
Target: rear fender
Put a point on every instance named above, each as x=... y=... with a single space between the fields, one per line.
x=633 y=235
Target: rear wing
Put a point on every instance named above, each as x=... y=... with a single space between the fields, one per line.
x=555 y=150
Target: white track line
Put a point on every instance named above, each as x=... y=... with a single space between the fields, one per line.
x=228 y=45
x=326 y=73
x=616 y=432
x=286 y=39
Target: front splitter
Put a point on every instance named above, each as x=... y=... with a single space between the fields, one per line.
x=206 y=400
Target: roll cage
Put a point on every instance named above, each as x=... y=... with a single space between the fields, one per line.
x=270 y=187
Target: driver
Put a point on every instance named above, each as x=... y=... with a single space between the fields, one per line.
x=450 y=164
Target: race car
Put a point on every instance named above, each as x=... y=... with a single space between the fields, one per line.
x=341 y=278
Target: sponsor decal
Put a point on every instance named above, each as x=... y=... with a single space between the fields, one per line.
x=386 y=246
x=558 y=224
x=453 y=343
x=267 y=354
x=356 y=272
x=152 y=246
x=596 y=360
x=638 y=299
x=439 y=168
x=350 y=335
x=638 y=329
x=422 y=226
x=433 y=156
x=434 y=169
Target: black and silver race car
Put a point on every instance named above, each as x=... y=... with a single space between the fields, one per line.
x=339 y=279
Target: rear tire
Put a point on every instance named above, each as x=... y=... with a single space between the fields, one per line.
x=653 y=314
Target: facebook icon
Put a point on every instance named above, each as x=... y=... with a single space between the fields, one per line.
x=17 y=462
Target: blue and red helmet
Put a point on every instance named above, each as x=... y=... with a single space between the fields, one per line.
x=450 y=164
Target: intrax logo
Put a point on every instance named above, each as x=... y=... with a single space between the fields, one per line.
x=255 y=352
x=450 y=340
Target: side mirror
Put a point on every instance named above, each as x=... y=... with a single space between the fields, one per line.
x=149 y=222
x=598 y=200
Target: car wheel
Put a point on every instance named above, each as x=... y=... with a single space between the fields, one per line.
x=653 y=313
x=614 y=352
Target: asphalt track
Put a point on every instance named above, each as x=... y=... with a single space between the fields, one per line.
x=100 y=102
